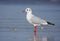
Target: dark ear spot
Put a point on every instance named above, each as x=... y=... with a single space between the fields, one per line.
x=27 y=9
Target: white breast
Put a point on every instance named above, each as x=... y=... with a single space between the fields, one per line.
x=28 y=17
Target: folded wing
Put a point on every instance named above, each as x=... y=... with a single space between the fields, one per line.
x=37 y=20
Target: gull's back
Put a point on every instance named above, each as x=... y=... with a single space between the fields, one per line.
x=37 y=20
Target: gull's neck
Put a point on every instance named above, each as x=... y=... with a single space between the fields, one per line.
x=29 y=14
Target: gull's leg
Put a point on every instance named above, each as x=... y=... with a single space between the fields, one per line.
x=34 y=32
x=41 y=27
x=34 y=28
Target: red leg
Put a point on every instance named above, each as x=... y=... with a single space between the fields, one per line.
x=35 y=31
x=34 y=28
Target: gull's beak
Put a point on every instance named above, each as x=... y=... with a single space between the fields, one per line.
x=23 y=11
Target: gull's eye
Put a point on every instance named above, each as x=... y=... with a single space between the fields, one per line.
x=27 y=9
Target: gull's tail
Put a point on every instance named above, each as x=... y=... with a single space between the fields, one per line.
x=50 y=23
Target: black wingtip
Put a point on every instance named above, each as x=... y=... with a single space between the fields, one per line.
x=50 y=23
x=53 y=24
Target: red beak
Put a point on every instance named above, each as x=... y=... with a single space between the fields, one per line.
x=23 y=11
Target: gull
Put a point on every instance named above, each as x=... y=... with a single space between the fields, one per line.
x=34 y=20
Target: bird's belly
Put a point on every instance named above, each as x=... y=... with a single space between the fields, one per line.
x=29 y=20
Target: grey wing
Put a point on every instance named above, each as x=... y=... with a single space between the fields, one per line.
x=37 y=20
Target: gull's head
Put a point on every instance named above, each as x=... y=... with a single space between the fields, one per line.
x=28 y=10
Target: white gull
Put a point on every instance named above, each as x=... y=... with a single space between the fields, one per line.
x=34 y=20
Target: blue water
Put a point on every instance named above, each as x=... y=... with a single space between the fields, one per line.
x=14 y=27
